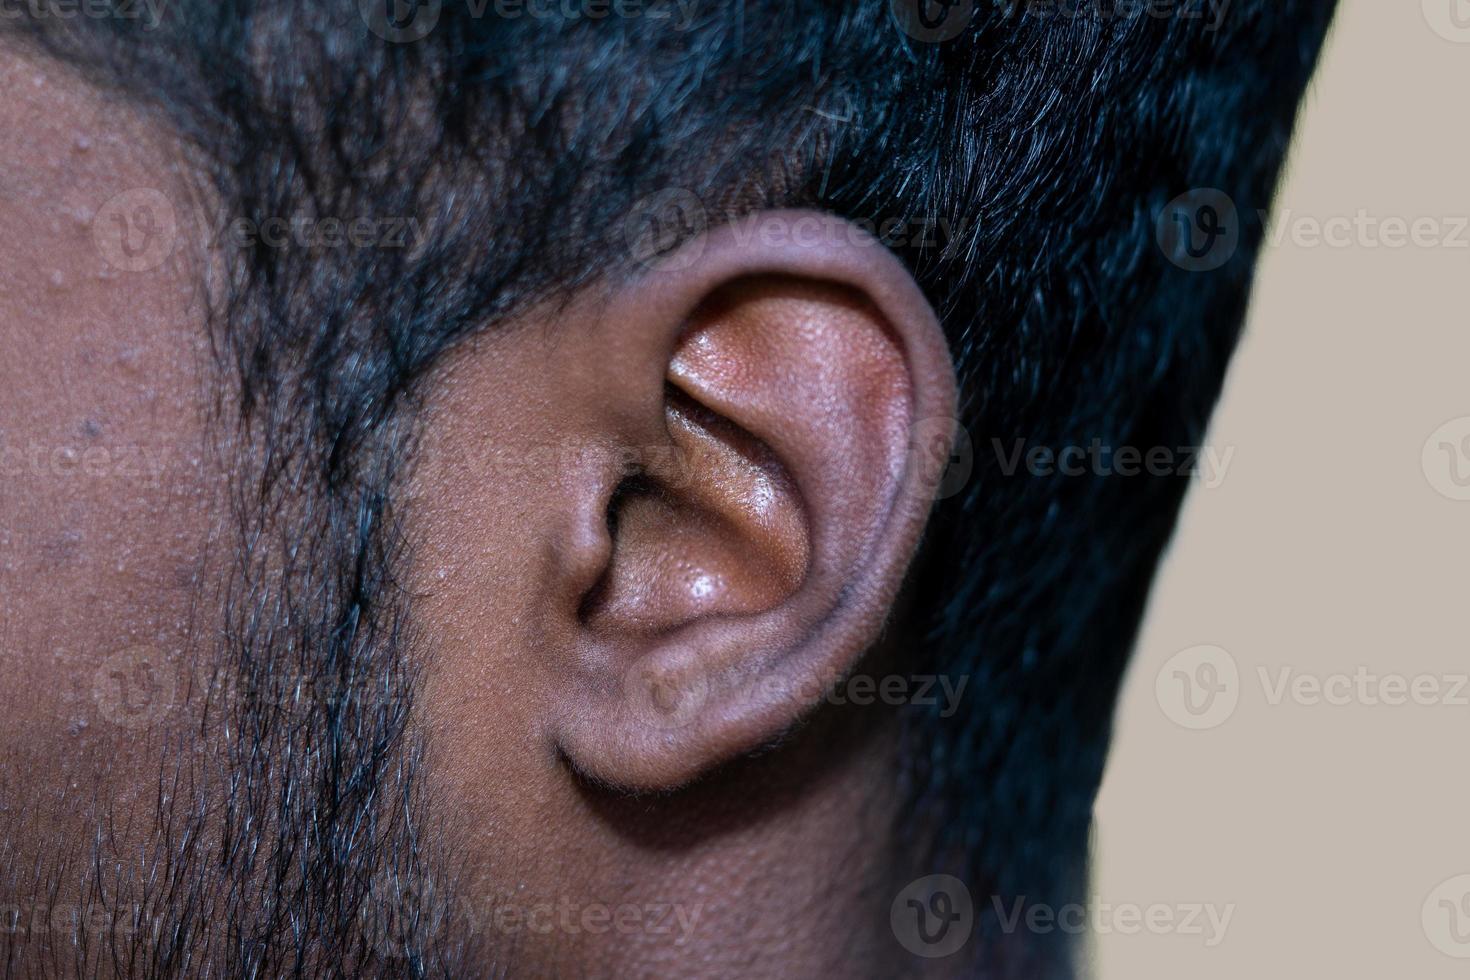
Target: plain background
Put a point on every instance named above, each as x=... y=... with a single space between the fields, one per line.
x=1326 y=548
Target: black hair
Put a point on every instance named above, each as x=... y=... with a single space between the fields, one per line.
x=1021 y=160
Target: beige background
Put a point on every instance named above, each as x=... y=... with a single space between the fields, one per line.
x=1326 y=548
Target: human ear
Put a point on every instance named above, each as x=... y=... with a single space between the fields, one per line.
x=749 y=556
x=659 y=519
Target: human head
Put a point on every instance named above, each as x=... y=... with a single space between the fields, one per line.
x=493 y=558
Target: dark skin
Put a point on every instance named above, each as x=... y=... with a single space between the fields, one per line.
x=607 y=662
x=110 y=500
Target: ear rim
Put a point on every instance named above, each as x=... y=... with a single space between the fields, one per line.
x=617 y=734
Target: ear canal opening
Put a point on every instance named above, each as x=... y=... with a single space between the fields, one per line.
x=628 y=487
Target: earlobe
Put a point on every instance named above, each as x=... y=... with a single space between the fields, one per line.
x=753 y=558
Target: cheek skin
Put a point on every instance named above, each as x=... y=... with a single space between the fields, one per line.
x=484 y=558
x=499 y=581
x=105 y=501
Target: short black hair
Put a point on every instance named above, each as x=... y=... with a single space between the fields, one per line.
x=1019 y=160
